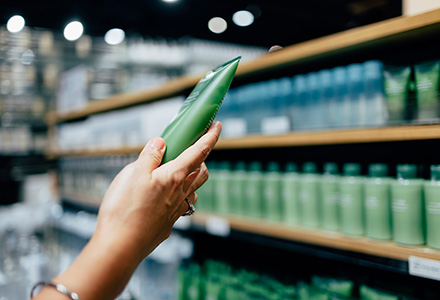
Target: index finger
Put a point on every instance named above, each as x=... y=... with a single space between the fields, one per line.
x=194 y=156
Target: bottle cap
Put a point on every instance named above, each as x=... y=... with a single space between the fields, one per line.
x=352 y=169
x=240 y=166
x=407 y=171
x=291 y=167
x=435 y=172
x=273 y=166
x=378 y=170
x=224 y=165
x=255 y=166
x=309 y=167
x=331 y=168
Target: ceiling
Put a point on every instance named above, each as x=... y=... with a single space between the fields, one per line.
x=278 y=22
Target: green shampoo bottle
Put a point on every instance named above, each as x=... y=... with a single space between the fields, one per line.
x=330 y=197
x=377 y=195
x=221 y=194
x=309 y=196
x=198 y=110
x=272 y=192
x=408 y=207
x=237 y=188
x=290 y=194
x=351 y=205
x=253 y=200
x=432 y=198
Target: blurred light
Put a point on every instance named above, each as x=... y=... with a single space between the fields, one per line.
x=243 y=18
x=73 y=31
x=15 y=23
x=27 y=57
x=170 y=1
x=114 y=36
x=217 y=25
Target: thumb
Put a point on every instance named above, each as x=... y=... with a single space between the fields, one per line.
x=152 y=154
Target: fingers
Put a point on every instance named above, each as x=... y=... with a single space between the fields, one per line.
x=196 y=179
x=184 y=207
x=152 y=154
x=195 y=155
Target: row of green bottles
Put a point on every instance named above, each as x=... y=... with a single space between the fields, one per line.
x=216 y=280
x=405 y=209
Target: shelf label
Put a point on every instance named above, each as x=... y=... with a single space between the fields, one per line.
x=275 y=125
x=234 y=127
x=217 y=226
x=424 y=267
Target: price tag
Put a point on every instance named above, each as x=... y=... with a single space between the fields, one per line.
x=424 y=267
x=217 y=226
x=275 y=125
x=234 y=127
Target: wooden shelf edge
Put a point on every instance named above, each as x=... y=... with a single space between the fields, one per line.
x=321 y=46
x=53 y=154
x=334 y=240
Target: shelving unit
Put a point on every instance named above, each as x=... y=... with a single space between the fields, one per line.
x=373 y=37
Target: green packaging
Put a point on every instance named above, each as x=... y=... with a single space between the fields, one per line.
x=432 y=198
x=272 y=192
x=253 y=201
x=427 y=78
x=198 y=110
x=237 y=188
x=342 y=287
x=290 y=194
x=330 y=197
x=309 y=196
x=221 y=188
x=368 y=293
x=377 y=195
x=351 y=189
x=397 y=81
x=408 y=207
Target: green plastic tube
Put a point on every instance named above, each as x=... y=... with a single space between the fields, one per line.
x=432 y=198
x=198 y=110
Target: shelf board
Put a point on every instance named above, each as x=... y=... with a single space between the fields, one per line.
x=378 y=34
x=338 y=241
x=294 y=139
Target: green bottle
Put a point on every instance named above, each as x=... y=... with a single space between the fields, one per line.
x=408 y=207
x=198 y=110
x=309 y=196
x=223 y=174
x=205 y=193
x=272 y=192
x=432 y=198
x=290 y=194
x=237 y=188
x=253 y=204
x=377 y=195
x=351 y=189
x=330 y=197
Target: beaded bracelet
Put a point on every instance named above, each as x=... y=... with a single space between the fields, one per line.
x=59 y=287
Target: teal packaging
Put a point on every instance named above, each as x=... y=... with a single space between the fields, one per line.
x=352 y=203
x=397 y=81
x=221 y=188
x=427 y=78
x=198 y=110
x=432 y=200
x=272 y=192
x=253 y=200
x=237 y=188
x=309 y=196
x=408 y=207
x=329 y=192
x=377 y=195
x=290 y=194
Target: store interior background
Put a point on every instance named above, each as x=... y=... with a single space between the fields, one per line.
x=42 y=72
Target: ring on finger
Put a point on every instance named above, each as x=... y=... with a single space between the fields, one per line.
x=191 y=208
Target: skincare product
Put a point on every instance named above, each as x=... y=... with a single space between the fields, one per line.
x=221 y=188
x=377 y=195
x=427 y=77
x=309 y=196
x=198 y=110
x=397 y=84
x=253 y=204
x=352 y=203
x=408 y=207
x=272 y=192
x=330 y=197
x=290 y=194
x=237 y=188
x=432 y=198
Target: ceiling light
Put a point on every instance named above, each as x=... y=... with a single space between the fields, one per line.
x=15 y=23
x=114 y=36
x=73 y=31
x=170 y=1
x=217 y=25
x=243 y=18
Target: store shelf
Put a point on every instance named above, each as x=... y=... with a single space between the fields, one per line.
x=379 y=34
x=327 y=137
x=320 y=238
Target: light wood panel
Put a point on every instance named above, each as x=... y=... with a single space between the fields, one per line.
x=323 y=238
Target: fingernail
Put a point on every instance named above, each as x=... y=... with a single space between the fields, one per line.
x=217 y=124
x=157 y=143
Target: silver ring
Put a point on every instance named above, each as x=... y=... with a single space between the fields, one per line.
x=191 y=208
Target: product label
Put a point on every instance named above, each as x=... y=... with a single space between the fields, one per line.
x=346 y=200
x=423 y=267
x=217 y=226
x=434 y=208
x=371 y=202
x=275 y=125
x=400 y=205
